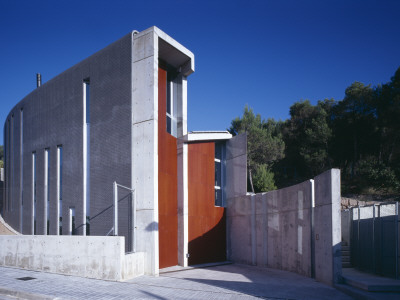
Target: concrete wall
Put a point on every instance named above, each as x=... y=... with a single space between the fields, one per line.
x=346 y=227
x=272 y=229
x=92 y=257
x=52 y=115
x=327 y=222
x=236 y=166
x=282 y=229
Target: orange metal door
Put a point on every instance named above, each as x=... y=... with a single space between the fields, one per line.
x=207 y=233
x=167 y=182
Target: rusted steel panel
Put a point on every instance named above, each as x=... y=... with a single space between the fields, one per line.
x=207 y=227
x=167 y=182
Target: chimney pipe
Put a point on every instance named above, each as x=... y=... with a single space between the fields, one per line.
x=38 y=80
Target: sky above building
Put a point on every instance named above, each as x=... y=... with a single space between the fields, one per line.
x=264 y=54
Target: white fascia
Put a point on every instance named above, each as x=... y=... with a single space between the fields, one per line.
x=196 y=136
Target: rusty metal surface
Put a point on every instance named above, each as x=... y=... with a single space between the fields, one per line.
x=167 y=183
x=207 y=227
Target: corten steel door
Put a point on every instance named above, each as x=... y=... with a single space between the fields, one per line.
x=167 y=182
x=207 y=231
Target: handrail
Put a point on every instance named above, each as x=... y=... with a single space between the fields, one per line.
x=133 y=210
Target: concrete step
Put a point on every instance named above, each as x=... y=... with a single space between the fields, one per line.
x=345 y=259
x=358 y=294
x=345 y=252
x=346 y=265
x=370 y=282
x=345 y=248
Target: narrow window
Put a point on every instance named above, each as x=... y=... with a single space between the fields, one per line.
x=59 y=187
x=12 y=165
x=34 y=192
x=86 y=154
x=46 y=189
x=71 y=221
x=8 y=173
x=172 y=103
x=219 y=162
x=21 y=169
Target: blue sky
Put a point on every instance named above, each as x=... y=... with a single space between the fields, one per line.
x=267 y=54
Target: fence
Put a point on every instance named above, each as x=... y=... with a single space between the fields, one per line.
x=375 y=239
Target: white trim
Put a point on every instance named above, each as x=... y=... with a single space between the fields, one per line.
x=194 y=136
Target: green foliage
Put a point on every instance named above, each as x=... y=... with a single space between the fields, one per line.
x=1 y=164
x=263 y=179
x=264 y=141
x=377 y=175
x=1 y=152
x=359 y=134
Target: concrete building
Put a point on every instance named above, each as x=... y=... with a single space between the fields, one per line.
x=114 y=126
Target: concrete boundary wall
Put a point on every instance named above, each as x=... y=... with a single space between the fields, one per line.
x=295 y=229
x=96 y=257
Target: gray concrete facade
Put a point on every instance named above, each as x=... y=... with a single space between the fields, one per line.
x=115 y=141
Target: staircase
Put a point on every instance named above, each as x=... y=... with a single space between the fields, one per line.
x=345 y=255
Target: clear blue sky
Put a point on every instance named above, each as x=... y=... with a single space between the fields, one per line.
x=267 y=54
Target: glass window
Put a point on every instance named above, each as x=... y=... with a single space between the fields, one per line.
x=219 y=162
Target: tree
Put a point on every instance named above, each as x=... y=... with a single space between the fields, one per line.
x=354 y=125
x=264 y=147
x=307 y=135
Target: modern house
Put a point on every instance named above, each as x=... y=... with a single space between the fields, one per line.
x=113 y=129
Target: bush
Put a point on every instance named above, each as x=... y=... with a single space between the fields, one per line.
x=263 y=179
x=378 y=175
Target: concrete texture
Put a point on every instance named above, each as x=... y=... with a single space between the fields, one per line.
x=92 y=257
x=327 y=222
x=272 y=229
x=346 y=226
x=221 y=282
x=236 y=166
x=282 y=229
x=6 y=229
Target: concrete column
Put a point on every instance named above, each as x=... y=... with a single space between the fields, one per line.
x=145 y=144
x=327 y=222
x=183 y=200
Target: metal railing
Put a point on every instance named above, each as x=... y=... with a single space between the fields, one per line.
x=132 y=221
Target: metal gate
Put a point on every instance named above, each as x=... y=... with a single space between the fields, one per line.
x=375 y=239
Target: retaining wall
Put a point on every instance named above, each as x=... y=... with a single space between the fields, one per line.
x=96 y=257
x=295 y=229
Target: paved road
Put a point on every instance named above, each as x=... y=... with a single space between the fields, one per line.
x=219 y=282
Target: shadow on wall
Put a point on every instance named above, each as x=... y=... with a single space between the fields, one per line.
x=211 y=246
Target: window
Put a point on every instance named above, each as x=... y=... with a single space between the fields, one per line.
x=86 y=152
x=72 y=221
x=21 y=169
x=47 y=188
x=172 y=103
x=34 y=192
x=219 y=162
x=59 y=186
